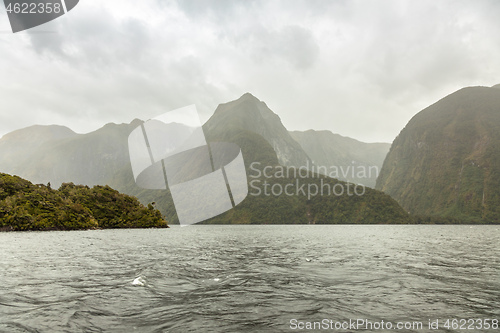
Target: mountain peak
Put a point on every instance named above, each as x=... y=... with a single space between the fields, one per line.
x=248 y=96
x=136 y=122
x=248 y=102
x=496 y=86
x=248 y=113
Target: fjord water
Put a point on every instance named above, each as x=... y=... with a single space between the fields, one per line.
x=246 y=278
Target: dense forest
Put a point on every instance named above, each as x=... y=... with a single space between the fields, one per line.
x=26 y=206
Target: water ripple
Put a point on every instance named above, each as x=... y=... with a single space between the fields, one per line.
x=245 y=278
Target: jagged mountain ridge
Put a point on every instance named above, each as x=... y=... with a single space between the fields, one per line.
x=250 y=114
x=101 y=157
x=35 y=152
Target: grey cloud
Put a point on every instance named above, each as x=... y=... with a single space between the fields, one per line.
x=99 y=41
x=293 y=44
x=217 y=8
x=297 y=45
x=358 y=68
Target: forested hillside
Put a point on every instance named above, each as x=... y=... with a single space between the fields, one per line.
x=446 y=161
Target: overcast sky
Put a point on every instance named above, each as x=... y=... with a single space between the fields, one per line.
x=358 y=68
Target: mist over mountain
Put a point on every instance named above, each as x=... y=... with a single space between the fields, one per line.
x=342 y=157
x=102 y=158
x=87 y=159
x=446 y=161
x=17 y=147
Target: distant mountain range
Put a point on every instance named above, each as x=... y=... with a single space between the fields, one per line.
x=56 y=154
x=446 y=161
x=444 y=166
x=342 y=157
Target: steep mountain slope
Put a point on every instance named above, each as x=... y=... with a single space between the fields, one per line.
x=342 y=157
x=446 y=161
x=250 y=114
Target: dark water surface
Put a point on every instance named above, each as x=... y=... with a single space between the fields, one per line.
x=247 y=278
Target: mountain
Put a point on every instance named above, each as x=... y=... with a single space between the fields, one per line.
x=17 y=147
x=89 y=159
x=250 y=114
x=446 y=161
x=259 y=132
x=102 y=158
x=342 y=157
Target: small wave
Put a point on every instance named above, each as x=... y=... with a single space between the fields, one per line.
x=140 y=281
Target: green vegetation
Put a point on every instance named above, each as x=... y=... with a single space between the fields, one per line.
x=445 y=164
x=310 y=206
x=25 y=206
